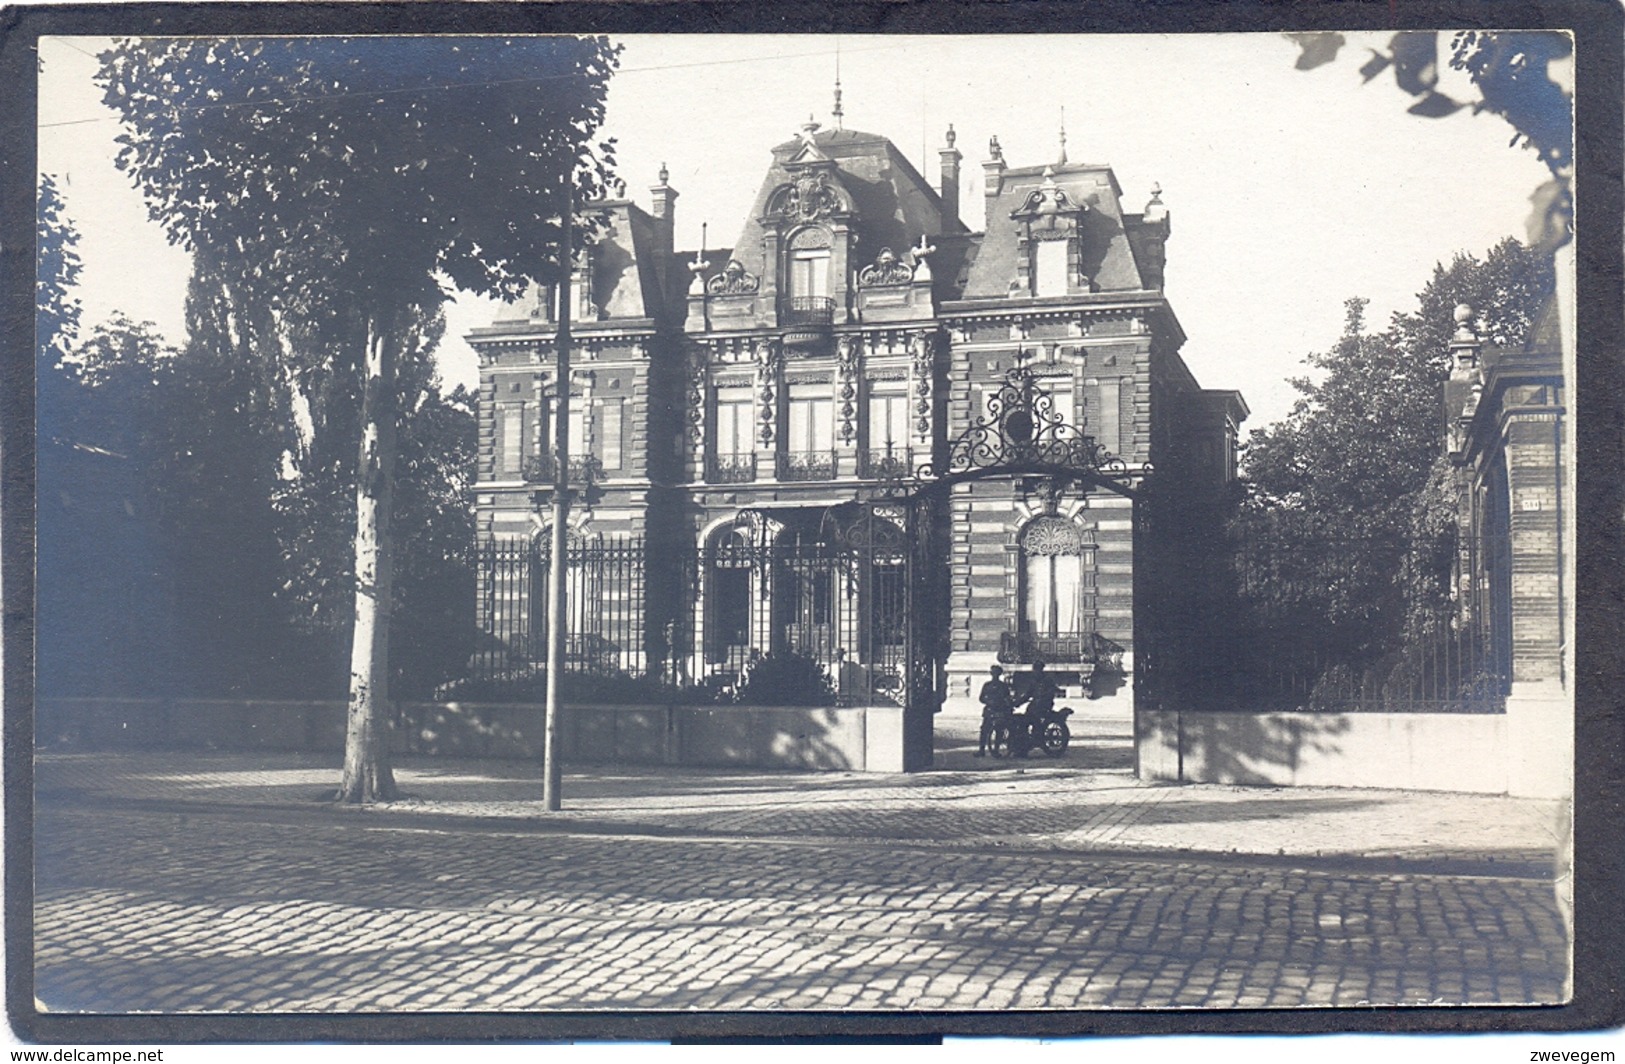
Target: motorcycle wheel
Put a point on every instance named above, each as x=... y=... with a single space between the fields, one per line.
x=1056 y=737
x=1000 y=745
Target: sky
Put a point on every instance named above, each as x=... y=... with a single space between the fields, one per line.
x=1289 y=191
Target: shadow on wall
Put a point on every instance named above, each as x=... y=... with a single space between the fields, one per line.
x=1258 y=748
x=1236 y=748
x=793 y=737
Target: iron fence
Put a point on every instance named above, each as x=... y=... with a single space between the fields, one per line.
x=806 y=310
x=605 y=608
x=1362 y=626
x=841 y=606
x=889 y=462
x=710 y=618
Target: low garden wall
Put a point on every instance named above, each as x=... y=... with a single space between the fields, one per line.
x=1412 y=751
x=860 y=739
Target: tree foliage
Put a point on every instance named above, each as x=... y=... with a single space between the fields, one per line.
x=366 y=166
x=56 y=309
x=1523 y=76
x=1347 y=527
x=338 y=181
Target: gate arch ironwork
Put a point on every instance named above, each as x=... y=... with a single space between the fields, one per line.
x=1021 y=433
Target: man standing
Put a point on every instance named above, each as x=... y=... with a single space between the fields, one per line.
x=1039 y=696
x=997 y=703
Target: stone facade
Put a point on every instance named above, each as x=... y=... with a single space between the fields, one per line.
x=1505 y=410
x=743 y=395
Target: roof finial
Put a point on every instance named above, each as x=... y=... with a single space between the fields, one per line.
x=809 y=128
x=836 y=111
x=665 y=174
x=1062 y=160
x=699 y=266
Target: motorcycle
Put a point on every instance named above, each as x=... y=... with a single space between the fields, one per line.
x=1021 y=733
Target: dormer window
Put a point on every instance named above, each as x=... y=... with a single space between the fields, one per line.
x=809 y=273
x=1050 y=268
x=1049 y=222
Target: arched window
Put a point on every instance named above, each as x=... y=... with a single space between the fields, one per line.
x=1052 y=578
x=728 y=627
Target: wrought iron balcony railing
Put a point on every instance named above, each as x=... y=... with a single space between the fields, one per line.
x=1065 y=648
x=542 y=469
x=807 y=465
x=888 y=462
x=731 y=468
x=807 y=310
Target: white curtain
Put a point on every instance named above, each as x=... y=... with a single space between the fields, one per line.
x=1068 y=593
x=812 y=424
x=1054 y=594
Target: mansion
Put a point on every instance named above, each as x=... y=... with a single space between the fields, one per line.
x=735 y=411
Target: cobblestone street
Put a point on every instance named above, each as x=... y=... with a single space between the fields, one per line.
x=187 y=883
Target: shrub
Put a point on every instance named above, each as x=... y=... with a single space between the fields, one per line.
x=606 y=688
x=787 y=679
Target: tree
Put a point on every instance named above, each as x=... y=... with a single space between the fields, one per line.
x=431 y=618
x=56 y=310
x=362 y=170
x=103 y=615
x=1347 y=518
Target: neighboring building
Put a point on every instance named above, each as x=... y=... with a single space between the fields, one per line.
x=1505 y=411
x=740 y=403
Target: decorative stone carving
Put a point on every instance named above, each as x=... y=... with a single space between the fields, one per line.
x=698 y=268
x=922 y=251
x=887 y=269
x=696 y=395
x=922 y=347
x=733 y=280
x=767 y=368
x=846 y=351
x=809 y=197
x=1050 y=536
x=810 y=238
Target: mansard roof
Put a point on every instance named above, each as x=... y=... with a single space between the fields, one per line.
x=626 y=272
x=893 y=204
x=1108 y=257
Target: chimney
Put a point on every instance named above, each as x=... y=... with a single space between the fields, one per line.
x=664 y=208
x=950 y=182
x=993 y=172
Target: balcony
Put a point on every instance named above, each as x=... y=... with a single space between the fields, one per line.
x=807 y=465
x=888 y=463
x=542 y=469
x=730 y=469
x=1066 y=648
x=807 y=320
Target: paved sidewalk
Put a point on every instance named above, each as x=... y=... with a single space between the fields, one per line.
x=1088 y=801
x=209 y=882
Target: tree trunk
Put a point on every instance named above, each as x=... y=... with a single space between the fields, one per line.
x=367 y=775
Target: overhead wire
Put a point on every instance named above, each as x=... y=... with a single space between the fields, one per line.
x=199 y=108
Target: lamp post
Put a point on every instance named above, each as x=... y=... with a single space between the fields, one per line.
x=552 y=775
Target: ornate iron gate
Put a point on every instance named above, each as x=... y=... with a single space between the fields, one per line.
x=831 y=588
x=1020 y=435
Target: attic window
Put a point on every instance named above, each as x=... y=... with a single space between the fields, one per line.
x=1050 y=268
